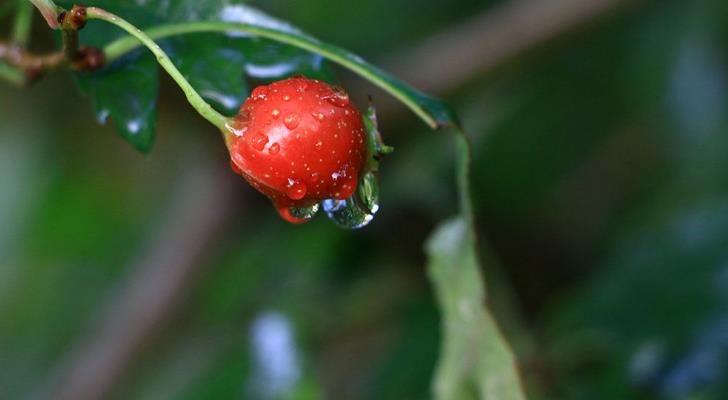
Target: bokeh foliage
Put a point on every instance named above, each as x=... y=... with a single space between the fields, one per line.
x=599 y=178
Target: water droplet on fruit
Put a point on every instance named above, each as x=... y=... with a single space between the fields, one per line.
x=359 y=209
x=295 y=190
x=260 y=93
x=259 y=141
x=292 y=120
x=274 y=148
x=338 y=98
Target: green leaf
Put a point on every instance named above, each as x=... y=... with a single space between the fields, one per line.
x=127 y=95
x=212 y=69
x=216 y=65
x=127 y=90
x=433 y=111
x=268 y=61
x=475 y=360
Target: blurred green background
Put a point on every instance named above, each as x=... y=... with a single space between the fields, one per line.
x=601 y=187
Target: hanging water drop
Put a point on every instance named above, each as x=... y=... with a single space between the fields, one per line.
x=358 y=210
x=297 y=215
x=369 y=191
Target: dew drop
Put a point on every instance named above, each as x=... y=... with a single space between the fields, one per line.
x=239 y=132
x=258 y=141
x=368 y=190
x=260 y=93
x=274 y=148
x=347 y=213
x=295 y=190
x=292 y=120
x=338 y=98
x=358 y=210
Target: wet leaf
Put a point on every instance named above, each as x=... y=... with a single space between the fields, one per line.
x=215 y=64
x=261 y=58
x=127 y=96
x=212 y=69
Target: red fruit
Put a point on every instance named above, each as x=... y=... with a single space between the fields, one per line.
x=299 y=141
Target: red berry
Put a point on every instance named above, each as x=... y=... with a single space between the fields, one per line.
x=299 y=141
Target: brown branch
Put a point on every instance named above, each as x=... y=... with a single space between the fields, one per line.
x=450 y=59
x=152 y=292
x=31 y=64
x=77 y=57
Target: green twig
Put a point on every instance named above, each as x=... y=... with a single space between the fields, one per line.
x=371 y=73
x=22 y=25
x=202 y=107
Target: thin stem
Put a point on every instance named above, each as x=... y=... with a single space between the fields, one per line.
x=23 y=20
x=199 y=104
x=70 y=43
x=123 y=45
x=49 y=10
x=18 y=57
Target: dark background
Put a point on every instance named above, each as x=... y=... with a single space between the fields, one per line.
x=600 y=138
